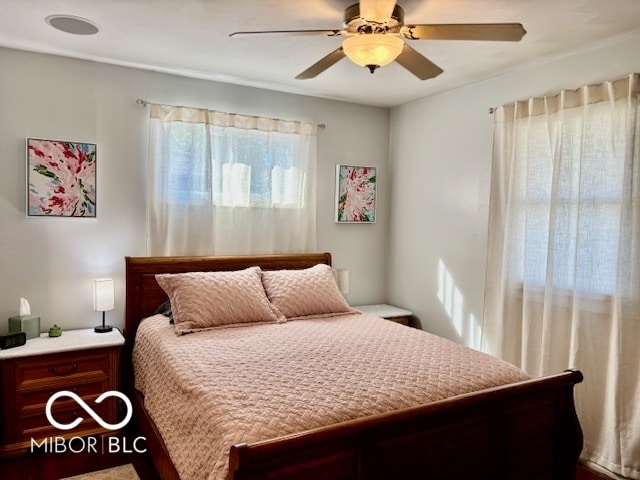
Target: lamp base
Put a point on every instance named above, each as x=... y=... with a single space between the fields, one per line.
x=103 y=328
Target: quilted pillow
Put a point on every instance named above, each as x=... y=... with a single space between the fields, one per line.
x=207 y=300
x=307 y=292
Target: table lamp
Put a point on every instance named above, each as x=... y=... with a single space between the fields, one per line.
x=103 y=300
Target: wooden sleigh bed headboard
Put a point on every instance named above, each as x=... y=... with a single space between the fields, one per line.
x=143 y=294
x=523 y=431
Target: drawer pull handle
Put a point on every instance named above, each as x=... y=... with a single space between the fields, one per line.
x=67 y=371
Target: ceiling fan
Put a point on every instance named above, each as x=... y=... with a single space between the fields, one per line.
x=375 y=30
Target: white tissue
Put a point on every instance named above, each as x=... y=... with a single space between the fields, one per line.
x=25 y=308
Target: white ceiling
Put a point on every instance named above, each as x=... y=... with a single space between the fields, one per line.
x=191 y=38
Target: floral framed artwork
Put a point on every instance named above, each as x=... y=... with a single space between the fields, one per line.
x=61 y=178
x=355 y=194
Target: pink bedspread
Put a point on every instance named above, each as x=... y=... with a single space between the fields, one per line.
x=209 y=390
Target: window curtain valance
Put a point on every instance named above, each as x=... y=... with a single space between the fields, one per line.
x=224 y=183
x=168 y=113
x=618 y=90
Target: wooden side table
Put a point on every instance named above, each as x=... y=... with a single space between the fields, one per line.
x=80 y=361
x=389 y=312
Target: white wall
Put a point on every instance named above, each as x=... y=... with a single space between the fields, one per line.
x=440 y=178
x=51 y=261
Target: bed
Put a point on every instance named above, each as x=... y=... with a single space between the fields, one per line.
x=509 y=428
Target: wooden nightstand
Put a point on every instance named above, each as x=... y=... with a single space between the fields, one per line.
x=80 y=361
x=395 y=314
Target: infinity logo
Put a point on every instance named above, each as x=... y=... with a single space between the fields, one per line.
x=89 y=410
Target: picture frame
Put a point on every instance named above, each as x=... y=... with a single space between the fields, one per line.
x=61 y=178
x=355 y=200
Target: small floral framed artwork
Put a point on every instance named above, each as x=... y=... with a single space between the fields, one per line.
x=355 y=194
x=61 y=178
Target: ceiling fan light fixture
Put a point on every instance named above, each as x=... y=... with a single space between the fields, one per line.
x=372 y=50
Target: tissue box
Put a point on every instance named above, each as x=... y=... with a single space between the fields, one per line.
x=29 y=324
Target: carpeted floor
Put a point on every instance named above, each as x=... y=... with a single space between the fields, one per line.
x=123 y=472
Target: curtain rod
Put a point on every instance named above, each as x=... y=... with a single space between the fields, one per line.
x=144 y=103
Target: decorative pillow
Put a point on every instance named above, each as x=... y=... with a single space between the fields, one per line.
x=307 y=292
x=165 y=309
x=207 y=300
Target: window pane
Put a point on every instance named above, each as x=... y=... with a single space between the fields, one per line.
x=188 y=172
x=568 y=220
x=249 y=168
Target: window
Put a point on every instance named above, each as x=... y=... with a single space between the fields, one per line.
x=570 y=193
x=247 y=168
x=224 y=183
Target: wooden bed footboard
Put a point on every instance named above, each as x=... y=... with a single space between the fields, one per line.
x=523 y=431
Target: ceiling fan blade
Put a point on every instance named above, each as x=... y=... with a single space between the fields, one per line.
x=330 y=33
x=508 y=32
x=416 y=63
x=322 y=64
x=377 y=10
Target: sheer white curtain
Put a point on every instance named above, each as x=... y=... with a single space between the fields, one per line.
x=563 y=263
x=222 y=183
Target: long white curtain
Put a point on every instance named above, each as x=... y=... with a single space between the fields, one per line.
x=563 y=263
x=223 y=183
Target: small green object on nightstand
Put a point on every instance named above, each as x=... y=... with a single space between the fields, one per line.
x=55 y=331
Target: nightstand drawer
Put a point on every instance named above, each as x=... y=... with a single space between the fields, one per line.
x=401 y=320
x=35 y=424
x=81 y=387
x=51 y=369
